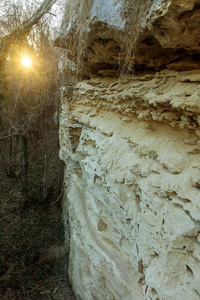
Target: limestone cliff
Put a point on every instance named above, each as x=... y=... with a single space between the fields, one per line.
x=130 y=139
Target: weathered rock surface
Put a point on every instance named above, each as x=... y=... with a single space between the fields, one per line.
x=151 y=33
x=132 y=151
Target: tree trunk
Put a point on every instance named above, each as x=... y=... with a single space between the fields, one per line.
x=45 y=173
x=26 y=164
x=10 y=167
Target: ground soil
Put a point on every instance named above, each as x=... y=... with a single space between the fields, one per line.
x=33 y=259
x=33 y=262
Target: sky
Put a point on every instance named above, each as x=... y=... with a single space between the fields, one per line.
x=57 y=10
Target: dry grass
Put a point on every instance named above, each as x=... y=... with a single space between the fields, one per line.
x=77 y=32
x=134 y=12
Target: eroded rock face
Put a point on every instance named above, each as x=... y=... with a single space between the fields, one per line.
x=150 y=33
x=132 y=151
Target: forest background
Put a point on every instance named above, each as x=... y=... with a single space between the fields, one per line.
x=33 y=263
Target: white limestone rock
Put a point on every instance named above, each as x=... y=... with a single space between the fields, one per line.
x=134 y=215
x=131 y=147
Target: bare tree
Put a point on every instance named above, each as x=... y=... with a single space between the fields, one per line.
x=31 y=95
x=22 y=29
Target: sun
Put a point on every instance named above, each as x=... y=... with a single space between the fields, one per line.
x=26 y=61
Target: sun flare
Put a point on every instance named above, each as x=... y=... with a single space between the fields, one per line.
x=26 y=61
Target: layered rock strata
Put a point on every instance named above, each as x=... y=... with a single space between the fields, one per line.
x=131 y=145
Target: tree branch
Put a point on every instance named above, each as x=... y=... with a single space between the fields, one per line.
x=42 y=10
x=7 y=40
x=9 y=136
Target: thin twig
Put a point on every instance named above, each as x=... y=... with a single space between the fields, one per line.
x=50 y=13
x=10 y=135
x=60 y=193
x=48 y=281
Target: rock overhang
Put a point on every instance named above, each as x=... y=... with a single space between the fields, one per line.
x=154 y=35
